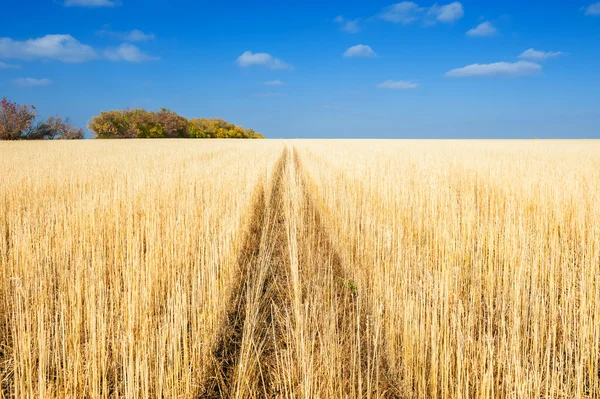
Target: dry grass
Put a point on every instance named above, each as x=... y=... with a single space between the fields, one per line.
x=315 y=269
x=115 y=260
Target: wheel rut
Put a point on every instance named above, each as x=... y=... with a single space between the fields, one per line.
x=261 y=351
x=244 y=356
x=227 y=350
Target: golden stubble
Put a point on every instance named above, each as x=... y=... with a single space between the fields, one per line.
x=304 y=268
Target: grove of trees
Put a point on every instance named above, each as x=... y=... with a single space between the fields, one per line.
x=18 y=122
x=139 y=123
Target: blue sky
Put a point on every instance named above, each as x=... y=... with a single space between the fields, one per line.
x=497 y=69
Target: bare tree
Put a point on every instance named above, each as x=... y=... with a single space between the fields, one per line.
x=17 y=122
x=55 y=128
x=15 y=119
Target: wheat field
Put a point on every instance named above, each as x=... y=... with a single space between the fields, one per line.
x=300 y=269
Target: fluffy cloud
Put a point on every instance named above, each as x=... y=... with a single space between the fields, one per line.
x=276 y=82
x=483 y=29
x=398 y=85
x=63 y=48
x=249 y=58
x=535 y=55
x=129 y=53
x=593 y=9
x=350 y=26
x=407 y=11
x=519 y=68
x=135 y=35
x=403 y=13
x=360 y=50
x=91 y=3
x=66 y=48
x=4 y=65
x=31 y=82
x=449 y=13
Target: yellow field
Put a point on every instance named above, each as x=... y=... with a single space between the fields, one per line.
x=309 y=268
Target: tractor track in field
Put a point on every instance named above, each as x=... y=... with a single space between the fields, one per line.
x=259 y=294
x=227 y=350
x=253 y=335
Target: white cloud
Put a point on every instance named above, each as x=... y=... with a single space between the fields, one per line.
x=360 y=50
x=593 y=9
x=406 y=12
x=91 y=3
x=66 y=48
x=483 y=29
x=135 y=35
x=248 y=58
x=276 y=82
x=4 y=65
x=449 y=13
x=31 y=82
x=398 y=85
x=63 y=48
x=350 y=26
x=535 y=55
x=519 y=68
x=129 y=53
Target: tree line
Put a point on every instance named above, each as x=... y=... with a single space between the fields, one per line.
x=139 y=123
x=19 y=122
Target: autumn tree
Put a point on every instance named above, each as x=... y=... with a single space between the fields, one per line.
x=139 y=123
x=112 y=124
x=17 y=122
x=173 y=125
